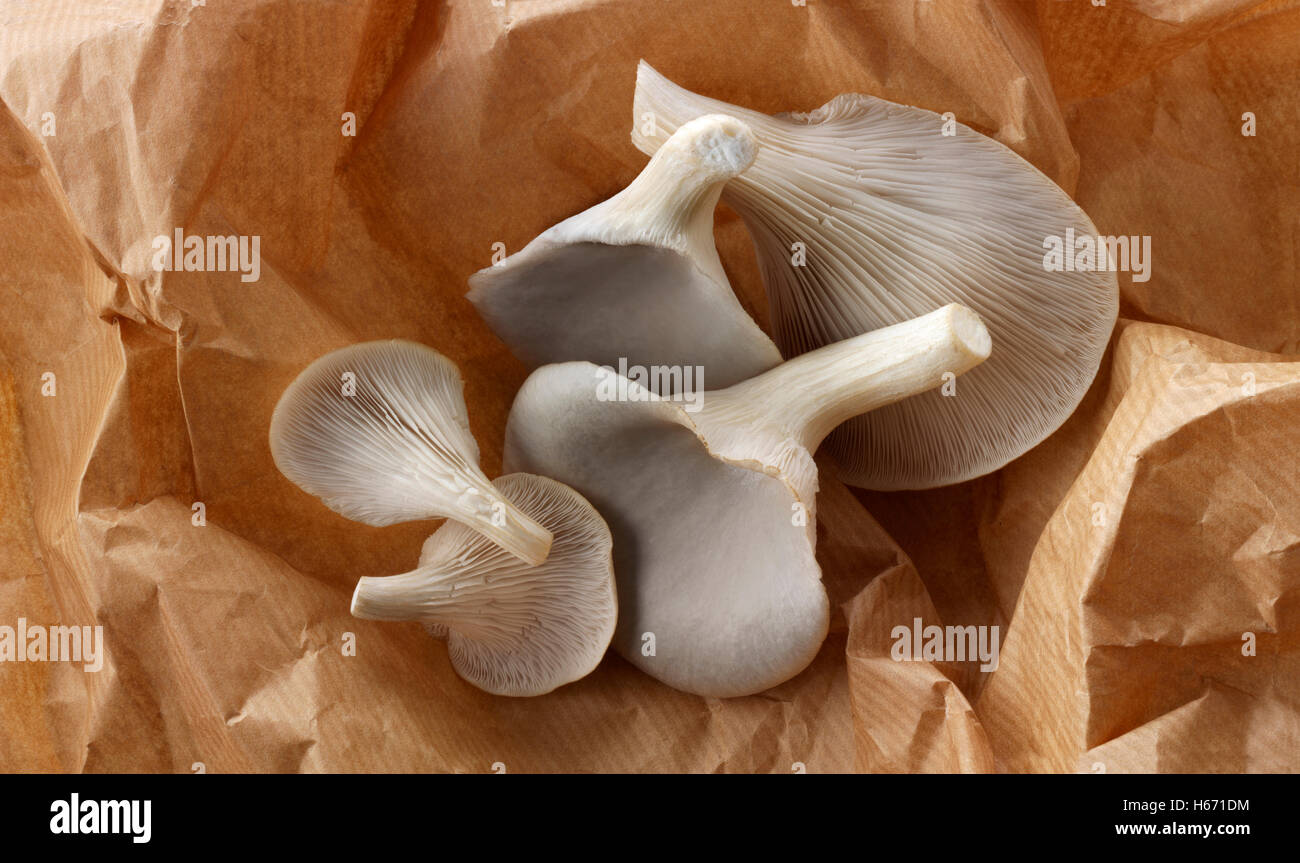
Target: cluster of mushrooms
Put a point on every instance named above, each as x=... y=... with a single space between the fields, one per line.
x=895 y=256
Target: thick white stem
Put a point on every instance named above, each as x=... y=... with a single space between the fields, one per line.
x=813 y=393
x=475 y=596
x=415 y=595
x=678 y=189
x=454 y=594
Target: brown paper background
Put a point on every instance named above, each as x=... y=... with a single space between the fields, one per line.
x=479 y=124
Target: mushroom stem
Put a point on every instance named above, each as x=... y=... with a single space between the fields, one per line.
x=443 y=593
x=458 y=595
x=489 y=513
x=684 y=178
x=805 y=397
x=415 y=595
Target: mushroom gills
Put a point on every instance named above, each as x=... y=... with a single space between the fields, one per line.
x=891 y=218
x=379 y=432
x=510 y=628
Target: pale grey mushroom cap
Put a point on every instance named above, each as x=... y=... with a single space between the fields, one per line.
x=511 y=629
x=712 y=509
x=898 y=219
x=636 y=277
x=707 y=561
x=379 y=432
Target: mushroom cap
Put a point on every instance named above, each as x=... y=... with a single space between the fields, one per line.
x=708 y=556
x=637 y=276
x=897 y=219
x=379 y=432
x=513 y=629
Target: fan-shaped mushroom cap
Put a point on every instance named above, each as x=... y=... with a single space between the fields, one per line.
x=511 y=629
x=379 y=432
x=712 y=513
x=637 y=276
x=897 y=218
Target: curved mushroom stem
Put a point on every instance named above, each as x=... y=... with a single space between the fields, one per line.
x=681 y=183
x=416 y=595
x=449 y=594
x=474 y=596
x=760 y=421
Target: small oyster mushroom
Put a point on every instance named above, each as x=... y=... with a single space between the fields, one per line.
x=896 y=218
x=712 y=512
x=379 y=432
x=511 y=629
x=636 y=277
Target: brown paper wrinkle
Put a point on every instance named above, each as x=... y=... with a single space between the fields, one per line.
x=58 y=258
x=1176 y=630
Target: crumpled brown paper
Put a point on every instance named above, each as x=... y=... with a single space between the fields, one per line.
x=478 y=124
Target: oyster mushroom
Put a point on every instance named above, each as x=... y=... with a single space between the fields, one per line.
x=511 y=629
x=712 y=512
x=895 y=219
x=379 y=432
x=636 y=277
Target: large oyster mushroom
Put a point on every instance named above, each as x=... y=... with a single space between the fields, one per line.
x=896 y=219
x=712 y=512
